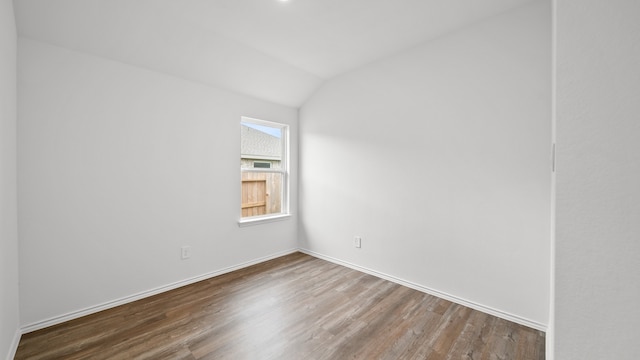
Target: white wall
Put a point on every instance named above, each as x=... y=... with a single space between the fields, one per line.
x=9 y=306
x=439 y=158
x=598 y=180
x=120 y=167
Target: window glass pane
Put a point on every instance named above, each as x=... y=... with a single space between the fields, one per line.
x=261 y=143
x=262 y=165
x=261 y=193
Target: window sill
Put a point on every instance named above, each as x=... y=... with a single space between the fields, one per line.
x=262 y=219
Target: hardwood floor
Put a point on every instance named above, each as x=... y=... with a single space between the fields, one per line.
x=294 y=307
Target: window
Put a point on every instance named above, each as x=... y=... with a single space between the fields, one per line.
x=263 y=169
x=263 y=165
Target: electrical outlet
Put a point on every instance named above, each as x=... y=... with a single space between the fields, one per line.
x=357 y=241
x=186 y=252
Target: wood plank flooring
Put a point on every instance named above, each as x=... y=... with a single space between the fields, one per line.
x=294 y=307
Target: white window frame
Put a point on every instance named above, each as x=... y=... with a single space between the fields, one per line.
x=284 y=171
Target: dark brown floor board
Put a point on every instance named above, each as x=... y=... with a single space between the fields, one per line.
x=293 y=307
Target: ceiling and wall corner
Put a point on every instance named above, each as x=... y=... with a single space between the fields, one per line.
x=439 y=158
x=119 y=168
x=248 y=47
x=84 y=77
x=276 y=51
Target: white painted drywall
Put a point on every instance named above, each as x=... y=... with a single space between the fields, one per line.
x=598 y=180
x=9 y=305
x=275 y=50
x=439 y=158
x=120 y=167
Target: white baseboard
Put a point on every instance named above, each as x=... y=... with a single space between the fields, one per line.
x=14 y=345
x=141 y=295
x=485 y=309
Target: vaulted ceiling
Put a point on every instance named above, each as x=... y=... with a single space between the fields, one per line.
x=275 y=50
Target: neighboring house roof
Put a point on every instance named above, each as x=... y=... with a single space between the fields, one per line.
x=259 y=145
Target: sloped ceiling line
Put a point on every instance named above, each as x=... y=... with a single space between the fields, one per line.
x=276 y=51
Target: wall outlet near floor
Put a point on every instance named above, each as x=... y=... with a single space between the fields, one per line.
x=185 y=252
x=357 y=241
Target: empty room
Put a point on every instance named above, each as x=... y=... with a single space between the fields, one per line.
x=319 y=179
